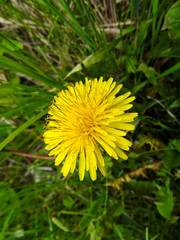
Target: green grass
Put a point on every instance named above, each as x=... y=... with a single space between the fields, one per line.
x=47 y=45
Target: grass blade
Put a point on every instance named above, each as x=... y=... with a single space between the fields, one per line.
x=21 y=128
x=18 y=67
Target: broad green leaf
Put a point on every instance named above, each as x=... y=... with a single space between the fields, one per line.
x=59 y=224
x=175 y=104
x=175 y=143
x=131 y=64
x=99 y=55
x=165 y=204
x=124 y=47
x=93 y=58
x=86 y=219
x=173 y=52
x=172 y=21
x=149 y=72
x=139 y=86
x=172 y=17
x=171 y=159
x=118 y=211
x=68 y=202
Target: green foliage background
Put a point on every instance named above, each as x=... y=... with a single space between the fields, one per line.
x=44 y=47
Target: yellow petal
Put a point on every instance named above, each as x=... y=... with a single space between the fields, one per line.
x=73 y=166
x=93 y=166
x=115 y=131
x=122 y=126
x=124 y=141
x=128 y=117
x=106 y=147
x=52 y=134
x=120 y=98
x=102 y=169
x=61 y=156
x=87 y=157
x=99 y=156
x=126 y=101
x=116 y=90
x=125 y=107
x=121 y=154
x=67 y=164
x=71 y=158
x=107 y=139
x=114 y=154
x=81 y=165
x=122 y=146
x=92 y=172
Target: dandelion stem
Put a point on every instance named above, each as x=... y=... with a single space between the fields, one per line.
x=28 y=155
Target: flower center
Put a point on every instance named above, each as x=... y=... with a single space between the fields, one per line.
x=85 y=122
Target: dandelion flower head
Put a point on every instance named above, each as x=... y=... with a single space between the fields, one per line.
x=86 y=120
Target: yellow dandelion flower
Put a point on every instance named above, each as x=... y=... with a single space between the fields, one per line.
x=86 y=120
